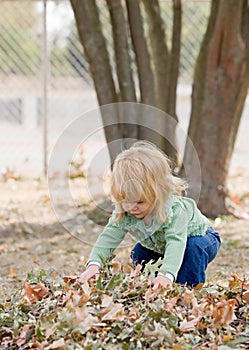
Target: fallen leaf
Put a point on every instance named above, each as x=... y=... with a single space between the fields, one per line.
x=54 y=275
x=223 y=312
x=88 y=322
x=45 y=198
x=151 y=294
x=12 y=272
x=50 y=331
x=23 y=336
x=245 y=296
x=106 y=300
x=238 y=281
x=235 y=198
x=57 y=344
x=171 y=303
x=38 y=292
x=177 y=347
x=227 y=337
x=85 y=288
x=116 y=313
x=199 y=286
x=35 y=345
x=189 y=325
x=188 y=297
x=116 y=266
x=72 y=279
x=136 y=271
x=127 y=269
x=134 y=314
x=81 y=313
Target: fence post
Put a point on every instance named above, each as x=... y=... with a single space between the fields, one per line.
x=44 y=89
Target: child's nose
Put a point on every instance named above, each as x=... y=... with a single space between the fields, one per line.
x=131 y=206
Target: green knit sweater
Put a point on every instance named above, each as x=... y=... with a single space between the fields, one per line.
x=169 y=239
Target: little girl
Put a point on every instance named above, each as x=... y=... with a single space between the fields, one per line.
x=149 y=205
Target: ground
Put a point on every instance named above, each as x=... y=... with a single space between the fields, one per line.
x=32 y=238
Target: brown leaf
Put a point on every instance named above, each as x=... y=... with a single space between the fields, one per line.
x=86 y=288
x=189 y=297
x=38 y=292
x=72 y=279
x=235 y=198
x=116 y=313
x=50 y=331
x=45 y=198
x=57 y=344
x=238 y=281
x=127 y=269
x=227 y=337
x=134 y=314
x=23 y=336
x=116 y=266
x=12 y=272
x=35 y=345
x=223 y=312
x=106 y=300
x=171 y=303
x=188 y=326
x=199 y=286
x=54 y=275
x=245 y=296
x=88 y=322
x=177 y=347
x=136 y=271
x=151 y=294
x=81 y=313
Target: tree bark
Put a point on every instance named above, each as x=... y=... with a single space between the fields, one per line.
x=159 y=51
x=220 y=85
x=93 y=41
x=161 y=65
x=145 y=74
x=174 y=58
x=123 y=63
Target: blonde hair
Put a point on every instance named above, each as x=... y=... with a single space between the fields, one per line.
x=143 y=173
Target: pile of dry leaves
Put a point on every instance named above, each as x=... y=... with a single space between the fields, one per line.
x=121 y=311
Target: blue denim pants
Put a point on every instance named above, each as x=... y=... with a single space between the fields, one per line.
x=199 y=252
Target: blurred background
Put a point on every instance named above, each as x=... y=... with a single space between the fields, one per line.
x=45 y=81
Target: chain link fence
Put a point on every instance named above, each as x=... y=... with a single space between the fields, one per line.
x=44 y=77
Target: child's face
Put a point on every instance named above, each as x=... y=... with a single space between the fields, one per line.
x=138 y=209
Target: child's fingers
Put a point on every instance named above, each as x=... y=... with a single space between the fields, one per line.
x=94 y=277
x=161 y=282
x=82 y=279
x=156 y=285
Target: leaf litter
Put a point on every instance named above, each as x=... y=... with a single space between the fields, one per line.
x=121 y=311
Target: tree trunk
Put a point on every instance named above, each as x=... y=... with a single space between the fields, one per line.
x=219 y=90
x=174 y=58
x=161 y=65
x=145 y=74
x=93 y=41
x=123 y=63
x=159 y=51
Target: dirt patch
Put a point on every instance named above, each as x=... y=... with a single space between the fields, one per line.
x=32 y=238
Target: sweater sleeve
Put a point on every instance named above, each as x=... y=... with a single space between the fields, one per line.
x=176 y=239
x=106 y=243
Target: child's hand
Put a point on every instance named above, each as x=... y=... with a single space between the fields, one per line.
x=91 y=272
x=162 y=281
